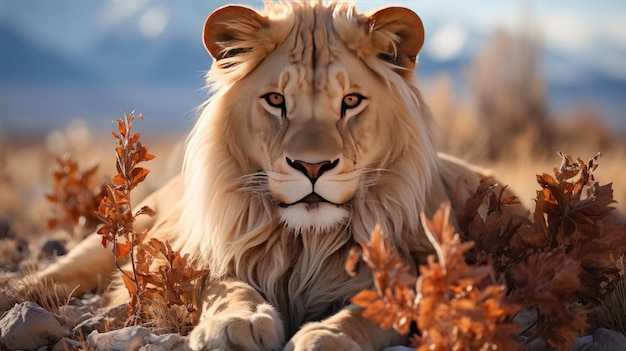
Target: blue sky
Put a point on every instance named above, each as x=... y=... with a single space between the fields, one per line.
x=593 y=30
x=577 y=26
x=587 y=36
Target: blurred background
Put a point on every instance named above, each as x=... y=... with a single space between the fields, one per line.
x=511 y=83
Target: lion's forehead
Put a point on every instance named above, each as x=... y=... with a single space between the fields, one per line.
x=319 y=83
x=313 y=36
x=314 y=52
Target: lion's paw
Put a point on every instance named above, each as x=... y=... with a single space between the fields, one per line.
x=318 y=337
x=259 y=330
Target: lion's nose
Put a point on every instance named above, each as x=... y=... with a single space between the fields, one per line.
x=313 y=170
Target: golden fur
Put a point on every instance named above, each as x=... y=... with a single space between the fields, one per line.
x=349 y=116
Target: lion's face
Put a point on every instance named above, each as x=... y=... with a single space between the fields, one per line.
x=312 y=136
x=312 y=115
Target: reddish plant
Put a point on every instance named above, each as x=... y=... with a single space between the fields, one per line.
x=558 y=263
x=455 y=305
x=75 y=195
x=171 y=283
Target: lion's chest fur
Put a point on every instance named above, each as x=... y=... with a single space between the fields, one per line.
x=302 y=275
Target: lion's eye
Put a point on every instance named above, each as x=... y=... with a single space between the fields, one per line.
x=275 y=100
x=351 y=101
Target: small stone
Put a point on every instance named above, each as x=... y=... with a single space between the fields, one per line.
x=5 y=230
x=527 y=320
x=52 y=248
x=98 y=323
x=76 y=314
x=28 y=326
x=602 y=340
x=152 y=347
x=170 y=342
x=130 y=338
x=67 y=344
x=536 y=345
x=610 y=339
x=116 y=314
x=398 y=348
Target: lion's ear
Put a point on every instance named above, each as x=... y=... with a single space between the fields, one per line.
x=231 y=30
x=408 y=28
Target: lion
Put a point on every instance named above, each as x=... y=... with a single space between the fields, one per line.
x=315 y=132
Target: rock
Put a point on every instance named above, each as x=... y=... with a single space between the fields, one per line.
x=84 y=319
x=52 y=248
x=602 y=340
x=137 y=338
x=581 y=343
x=66 y=344
x=527 y=320
x=97 y=323
x=27 y=326
x=170 y=342
x=76 y=314
x=117 y=314
x=398 y=348
x=130 y=338
x=152 y=347
x=536 y=345
x=88 y=299
x=5 y=230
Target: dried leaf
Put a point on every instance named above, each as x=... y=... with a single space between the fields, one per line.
x=138 y=174
x=549 y=282
x=122 y=249
x=75 y=195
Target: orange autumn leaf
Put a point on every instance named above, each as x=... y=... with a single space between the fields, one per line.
x=122 y=249
x=138 y=174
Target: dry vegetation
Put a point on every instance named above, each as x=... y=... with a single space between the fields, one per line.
x=503 y=124
x=158 y=278
x=27 y=182
x=558 y=266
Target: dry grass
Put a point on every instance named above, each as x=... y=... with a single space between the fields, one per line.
x=169 y=319
x=612 y=313
x=28 y=288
